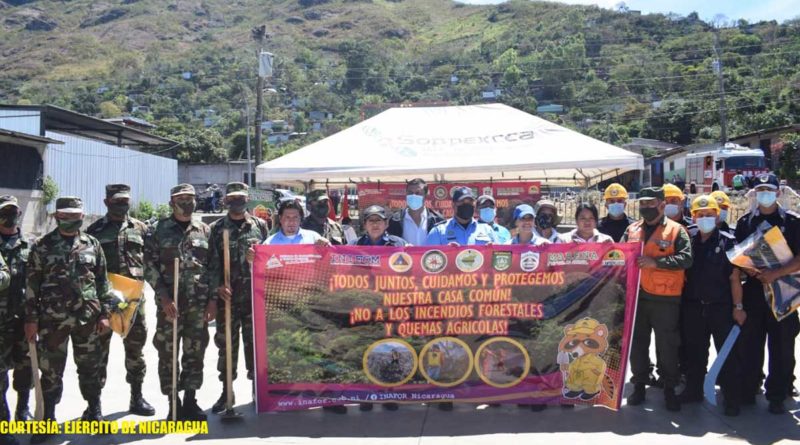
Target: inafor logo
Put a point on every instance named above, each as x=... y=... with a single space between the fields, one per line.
x=469 y=260
x=614 y=258
x=434 y=261
x=529 y=261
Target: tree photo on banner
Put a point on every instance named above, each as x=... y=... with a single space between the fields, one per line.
x=489 y=324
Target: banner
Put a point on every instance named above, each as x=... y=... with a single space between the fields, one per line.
x=507 y=194
x=484 y=324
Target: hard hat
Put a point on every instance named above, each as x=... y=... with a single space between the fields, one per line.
x=704 y=202
x=722 y=198
x=614 y=191
x=672 y=191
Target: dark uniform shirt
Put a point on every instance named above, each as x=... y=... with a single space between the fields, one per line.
x=123 y=245
x=386 y=240
x=329 y=229
x=708 y=280
x=614 y=228
x=789 y=223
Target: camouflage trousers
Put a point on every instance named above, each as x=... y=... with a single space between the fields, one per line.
x=134 y=359
x=14 y=355
x=241 y=320
x=193 y=334
x=54 y=336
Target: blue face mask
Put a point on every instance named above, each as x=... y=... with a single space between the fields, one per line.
x=766 y=198
x=616 y=209
x=706 y=224
x=671 y=210
x=723 y=215
x=415 y=202
x=487 y=215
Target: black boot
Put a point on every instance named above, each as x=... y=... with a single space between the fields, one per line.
x=671 y=400
x=638 y=395
x=691 y=395
x=93 y=412
x=179 y=415
x=50 y=416
x=138 y=404
x=222 y=402
x=22 y=412
x=190 y=409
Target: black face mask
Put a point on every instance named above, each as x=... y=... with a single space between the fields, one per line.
x=649 y=213
x=544 y=221
x=9 y=220
x=237 y=205
x=465 y=211
x=118 y=209
x=184 y=208
x=320 y=211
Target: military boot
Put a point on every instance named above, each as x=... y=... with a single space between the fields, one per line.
x=94 y=411
x=138 y=404
x=190 y=409
x=49 y=415
x=179 y=415
x=23 y=412
x=221 y=403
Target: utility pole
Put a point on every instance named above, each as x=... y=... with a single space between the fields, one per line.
x=717 y=66
x=250 y=180
x=259 y=117
x=608 y=127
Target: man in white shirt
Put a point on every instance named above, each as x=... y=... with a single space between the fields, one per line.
x=414 y=222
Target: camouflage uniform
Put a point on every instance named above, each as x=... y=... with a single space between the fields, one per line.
x=13 y=346
x=123 y=245
x=250 y=231
x=169 y=241
x=69 y=294
x=329 y=229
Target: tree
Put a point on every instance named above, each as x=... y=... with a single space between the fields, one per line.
x=790 y=156
x=109 y=109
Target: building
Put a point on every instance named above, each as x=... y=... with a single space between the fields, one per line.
x=81 y=154
x=768 y=140
x=203 y=175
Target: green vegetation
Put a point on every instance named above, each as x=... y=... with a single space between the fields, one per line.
x=616 y=73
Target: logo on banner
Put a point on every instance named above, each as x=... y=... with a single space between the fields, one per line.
x=501 y=261
x=355 y=260
x=614 y=258
x=400 y=262
x=487 y=191
x=440 y=192
x=529 y=261
x=274 y=262
x=434 y=261
x=469 y=260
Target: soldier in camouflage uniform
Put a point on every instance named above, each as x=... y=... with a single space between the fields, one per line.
x=244 y=231
x=179 y=236
x=69 y=297
x=13 y=346
x=7 y=341
x=122 y=238
x=317 y=220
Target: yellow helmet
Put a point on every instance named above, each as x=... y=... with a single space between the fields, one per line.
x=722 y=198
x=672 y=191
x=704 y=202
x=614 y=191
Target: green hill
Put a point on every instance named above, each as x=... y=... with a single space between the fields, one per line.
x=190 y=65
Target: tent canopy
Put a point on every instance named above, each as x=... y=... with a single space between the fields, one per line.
x=462 y=143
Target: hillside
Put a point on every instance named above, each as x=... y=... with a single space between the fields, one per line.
x=190 y=65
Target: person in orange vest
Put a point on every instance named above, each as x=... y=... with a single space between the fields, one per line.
x=667 y=254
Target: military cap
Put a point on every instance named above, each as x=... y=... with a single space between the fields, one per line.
x=182 y=189
x=114 y=191
x=69 y=204
x=317 y=195
x=651 y=193
x=766 y=180
x=236 y=189
x=460 y=193
x=375 y=210
x=8 y=200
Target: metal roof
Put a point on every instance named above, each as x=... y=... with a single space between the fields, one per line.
x=66 y=121
x=25 y=138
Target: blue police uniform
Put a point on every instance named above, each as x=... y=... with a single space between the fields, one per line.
x=450 y=231
x=385 y=240
x=502 y=234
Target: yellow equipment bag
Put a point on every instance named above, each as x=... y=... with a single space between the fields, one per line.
x=131 y=293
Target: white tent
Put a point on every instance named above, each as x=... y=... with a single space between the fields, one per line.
x=465 y=143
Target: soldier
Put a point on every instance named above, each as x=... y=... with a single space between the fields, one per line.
x=179 y=236
x=318 y=221
x=13 y=346
x=122 y=239
x=245 y=231
x=69 y=297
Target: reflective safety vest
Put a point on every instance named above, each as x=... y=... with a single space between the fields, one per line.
x=655 y=281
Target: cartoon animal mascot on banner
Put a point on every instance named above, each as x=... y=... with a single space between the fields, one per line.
x=579 y=358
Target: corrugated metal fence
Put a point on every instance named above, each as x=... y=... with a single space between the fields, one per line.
x=82 y=167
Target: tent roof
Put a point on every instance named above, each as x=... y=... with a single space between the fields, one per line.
x=462 y=143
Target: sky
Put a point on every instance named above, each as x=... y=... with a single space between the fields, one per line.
x=751 y=10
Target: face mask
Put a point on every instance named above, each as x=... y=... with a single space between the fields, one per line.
x=118 y=209
x=69 y=226
x=544 y=221
x=649 y=213
x=766 y=199
x=414 y=202
x=671 y=210
x=465 y=211
x=10 y=220
x=237 y=205
x=321 y=211
x=723 y=215
x=487 y=215
x=706 y=224
x=184 y=208
x=616 y=209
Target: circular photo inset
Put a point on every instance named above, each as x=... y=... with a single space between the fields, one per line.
x=446 y=361
x=390 y=362
x=502 y=362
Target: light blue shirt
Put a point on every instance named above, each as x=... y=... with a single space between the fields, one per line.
x=304 y=236
x=475 y=234
x=502 y=234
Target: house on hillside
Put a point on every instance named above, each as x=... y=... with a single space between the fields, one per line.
x=768 y=140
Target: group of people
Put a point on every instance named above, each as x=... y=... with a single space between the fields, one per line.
x=56 y=288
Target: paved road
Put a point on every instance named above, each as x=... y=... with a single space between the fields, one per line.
x=419 y=424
